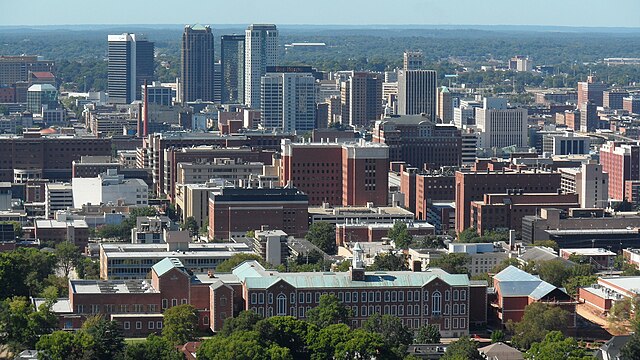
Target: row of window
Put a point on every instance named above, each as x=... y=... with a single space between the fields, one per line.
x=365 y=296
x=151 y=325
x=122 y=308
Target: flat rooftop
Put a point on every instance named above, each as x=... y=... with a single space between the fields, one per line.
x=627 y=283
x=162 y=248
x=55 y=224
x=590 y=252
x=359 y=210
x=112 y=287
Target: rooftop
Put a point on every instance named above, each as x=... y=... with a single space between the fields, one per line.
x=589 y=252
x=55 y=224
x=513 y=282
x=111 y=287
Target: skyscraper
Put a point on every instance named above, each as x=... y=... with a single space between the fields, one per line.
x=445 y=105
x=288 y=98
x=413 y=60
x=261 y=50
x=232 y=58
x=592 y=89
x=361 y=98
x=197 y=72
x=130 y=64
x=417 y=92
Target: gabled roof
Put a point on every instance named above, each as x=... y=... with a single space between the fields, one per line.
x=515 y=282
x=500 y=351
x=167 y=264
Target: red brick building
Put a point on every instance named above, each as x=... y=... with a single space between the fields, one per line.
x=419 y=142
x=349 y=233
x=622 y=161
x=515 y=289
x=471 y=186
x=607 y=291
x=505 y=211
x=234 y=211
x=421 y=189
x=347 y=174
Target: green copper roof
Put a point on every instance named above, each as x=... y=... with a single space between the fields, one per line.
x=198 y=27
x=166 y=264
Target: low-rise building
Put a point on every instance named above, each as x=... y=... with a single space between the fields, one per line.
x=110 y=188
x=483 y=256
x=359 y=214
x=374 y=232
x=58 y=196
x=601 y=258
x=632 y=256
x=52 y=232
x=271 y=245
x=150 y=229
x=608 y=290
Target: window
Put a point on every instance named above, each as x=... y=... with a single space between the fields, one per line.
x=165 y=303
x=184 y=301
x=401 y=296
x=463 y=323
x=446 y=309
x=127 y=325
x=387 y=296
x=205 y=320
x=354 y=296
x=410 y=310
x=260 y=298
x=254 y=298
x=270 y=297
x=455 y=309
x=301 y=311
x=292 y=298
x=436 y=303
x=447 y=295
x=394 y=296
x=416 y=310
x=355 y=311
x=401 y=310
x=150 y=325
x=463 y=309
x=446 y=323
x=463 y=294
x=301 y=298
x=363 y=310
x=370 y=296
x=416 y=295
x=174 y=302
x=282 y=304
x=309 y=297
x=159 y=325
x=386 y=309
x=138 y=325
x=455 y=295
x=455 y=323
x=378 y=296
x=409 y=296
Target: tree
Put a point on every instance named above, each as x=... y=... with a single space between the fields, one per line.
x=322 y=344
x=104 y=340
x=557 y=347
x=191 y=225
x=245 y=321
x=428 y=334
x=547 y=243
x=243 y=345
x=505 y=264
x=323 y=235
x=453 y=263
x=631 y=350
x=329 y=311
x=400 y=235
x=180 y=324
x=154 y=348
x=537 y=321
x=237 y=259
x=555 y=271
x=573 y=283
x=287 y=332
x=497 y=336
x=68 y=255
x=63 y=345
x=23 y=271
x=361 y=345
x=88 y=269
x=463 y=348
x=21 y=326
x=396 y=336
x=389 y=262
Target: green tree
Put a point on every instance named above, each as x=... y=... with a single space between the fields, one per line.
x=396 y=336
x=497 y=336
x=361 y=345
x=573 y=283
x=547 y=243
x=322 y=344
x=555 y=271
x=237 y=259
x=88 y=269
x=23 y=271
x=505 y=264
x=557 y=347
x=463 y=348
x=389 y=262
x=323 y=235
x=428 y=334
x=244 y=345
x=453 y=263
x=538 y=320
x=68 y=255
x=631 y=350
x=287 y=332
x=329 y=311
x=63 y=345
x=400 y=235
x=180 y=324
x=154 y=348
x=245 y=321
x=103 y=340
x=191 y=225
x=21 y=326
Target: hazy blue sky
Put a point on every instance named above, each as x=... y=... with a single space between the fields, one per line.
x=609 y=13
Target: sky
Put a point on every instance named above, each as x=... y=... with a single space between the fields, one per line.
x=581 y=13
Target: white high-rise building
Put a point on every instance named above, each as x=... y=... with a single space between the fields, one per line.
x=58 y=196
x=501 y=126
x=261 y=50
x=589 y=182
x=417 y=93
x=288 y=101
x=109 y=188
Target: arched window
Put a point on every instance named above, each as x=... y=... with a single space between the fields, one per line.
x=436 y=303
x=282 y=304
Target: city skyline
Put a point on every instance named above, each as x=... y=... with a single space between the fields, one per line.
x=424 y=12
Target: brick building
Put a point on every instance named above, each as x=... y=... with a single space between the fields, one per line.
x=609 y=290
x=471 y=186
x=234 y=211
x=48 y=157
x=450 y=301
x=515 y=289
x=421 y=189
x=505 y=211
x=419 y=142
x=347 y=174
x=622 y=161
x=371 y=232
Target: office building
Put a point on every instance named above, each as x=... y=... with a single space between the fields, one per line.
x=445 y=105
x=565 y=143
x=41 y=97
x=590 y=182
x=620 y=160
x=361 y=99
x=109 y=188
x=589 y=119
x=607 y=291
x=16 y=69
x=131 y=63
x=472 y=185
x=261 y=50
x=348 y=173
x=412 y=60
x=520 y=63
x=602 y=259
x=631 y=104
x=501 y=126
x=288 y=96
x=612 y=99
x=271 y=245
x=417 y=93
x=197 y=70
x=419 y=141
x=58 y=196
x=159 y=94
x=483 y=257
x=232 y=59
x=51 y=232
x=235 y=211
x=150 y=229
x=591 y=90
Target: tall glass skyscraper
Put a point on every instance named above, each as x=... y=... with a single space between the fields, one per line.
x=261 y=50
x=130 y=64
x=232 y=58
x=197 y=72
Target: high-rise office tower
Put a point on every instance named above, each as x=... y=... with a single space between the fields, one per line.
x=130 y=64
x=417 y=92
x=217 y=81
x=288 y=98
x=445 y=105
x=592 y=89
x=261 y=50
x=501 y=126
x=232 y=59
x=361 y=98
x=413 y=60
x=197 y=72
